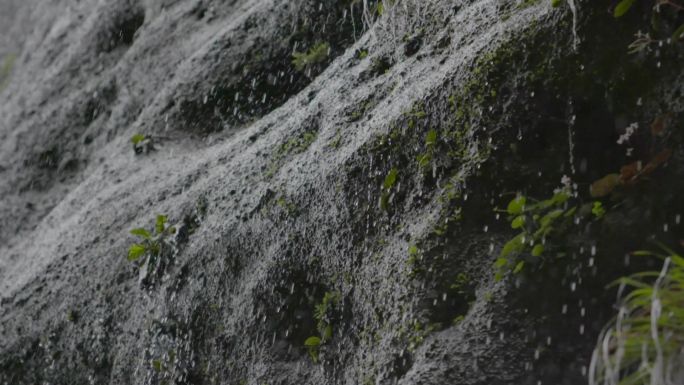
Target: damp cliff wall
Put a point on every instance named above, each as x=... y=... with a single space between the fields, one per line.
x=358 y=196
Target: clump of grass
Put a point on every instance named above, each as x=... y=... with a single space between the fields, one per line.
x=644 y=343
x=317 y=54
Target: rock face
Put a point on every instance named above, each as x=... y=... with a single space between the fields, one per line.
x=338 y=170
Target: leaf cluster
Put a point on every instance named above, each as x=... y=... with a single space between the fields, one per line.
x=536 y=222
x=152 y=243
x=323 y=314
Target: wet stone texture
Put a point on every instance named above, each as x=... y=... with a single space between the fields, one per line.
x=336 y=169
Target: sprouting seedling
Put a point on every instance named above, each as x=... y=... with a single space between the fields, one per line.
x=390 y=180
x=424 y=159
x=152 y=243
x=142 y=143
x=154 y=246
x=313 y=343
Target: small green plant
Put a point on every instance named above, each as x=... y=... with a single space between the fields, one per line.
x=424 y=159
x=598 y=210
x=336 y=141
x=154 y=246
x=142 y=144
x=390 y=179
x=317 y=54
x=313 y=343
x=643 y=344
x=536 y=222
x=323 y=313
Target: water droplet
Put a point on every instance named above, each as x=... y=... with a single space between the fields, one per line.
x=581 y=329
x=573 y=286
x=665 y=227
x=593 y=250
x=565 y=308
x=485 y=228
x=548 y=340
x=582 y=312
x=536 y=354
x=591 y=262
x=678 y=219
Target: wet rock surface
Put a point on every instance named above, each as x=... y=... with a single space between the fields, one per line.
x=353 y=196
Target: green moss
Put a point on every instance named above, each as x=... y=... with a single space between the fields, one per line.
x=6 y=70
x=317 y=54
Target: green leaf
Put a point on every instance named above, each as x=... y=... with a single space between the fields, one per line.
x=157 y=366
x=328 y=332
x=512 y=245
x=136 y=252
x=424 y=160
x=390 y=179
x=518 y=222
x=555 y=214
x=500 y=263
x=516 y=205
x=413 y=250
x=623 y=7
x=498 y=276
x=570 y=212
x=161 y=220
x=384 y=202
x=560 y=198
x=141 y=232
x=432 y=137
x=678 y=33
x=312 y=341
x=518 y=267
x=137 y=138
x=556 y=3
x=537 y=250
